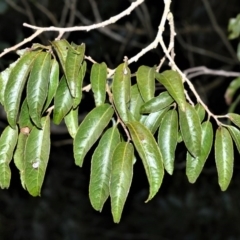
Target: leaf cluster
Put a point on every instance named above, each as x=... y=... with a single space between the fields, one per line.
x=130 y=122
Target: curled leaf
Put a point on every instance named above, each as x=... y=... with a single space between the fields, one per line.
x=156 y=104
x=172 y=81
x=153 y=120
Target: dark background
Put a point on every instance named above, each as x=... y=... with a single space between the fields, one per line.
x=180 y=210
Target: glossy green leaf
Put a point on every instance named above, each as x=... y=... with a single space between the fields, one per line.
x=63 y=101
x=73 y=62
x=146 y=82
x=36 y=155
x=156 y=104
x=53 y=83
x=81 y=75
x=4 y=76
x=24 y=116
x=90 y=130
x=235 y=118
x=194 y=166
x=61 y=47
x=136 y=102
x=15 y=85
x=8 y=141
x=37 y=86
x=19 y=156
x=191 y=130
x=172 y=81
x=150 y=154
x=98 y=79
x=224 y=157
x=71 y=121
x=167 y=139
x=153 y=120
x=235 y=133
x=121 y=178
x=231 y=90
x=200 y=111
x=121 y=90
x=101 y=166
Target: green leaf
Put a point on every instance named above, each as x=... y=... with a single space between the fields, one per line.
x=73 y=62
x=121 y=90
x=234 y=27
x=37 y=86
x=200 y=111
x=191 y=131
x=81 y=75
x=194 y=166
x=224 y=157
x=153 y=120
x=101 y=168
x=61 y=47
x=172 y=81
x=157 y=103
x=53 y=83
x=15 y=85
x=71 y=121
x=235 y=118
x=62 y=101
x=136 y=102
x=24 y=116
x=121 y=178
x=36 y=155
x=146 y=82
x=8 y=141
x=150 y=154
x=4 y=76
x=167 y=139
x=90 y=130
x=98 y=80
x=235 y=133
x=231 y=90
x=19 y=156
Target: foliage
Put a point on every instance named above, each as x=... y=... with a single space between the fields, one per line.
x=130 y=121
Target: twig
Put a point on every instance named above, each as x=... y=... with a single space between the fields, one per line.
x=202 y=70
x=26 y=40
x=91 y=27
